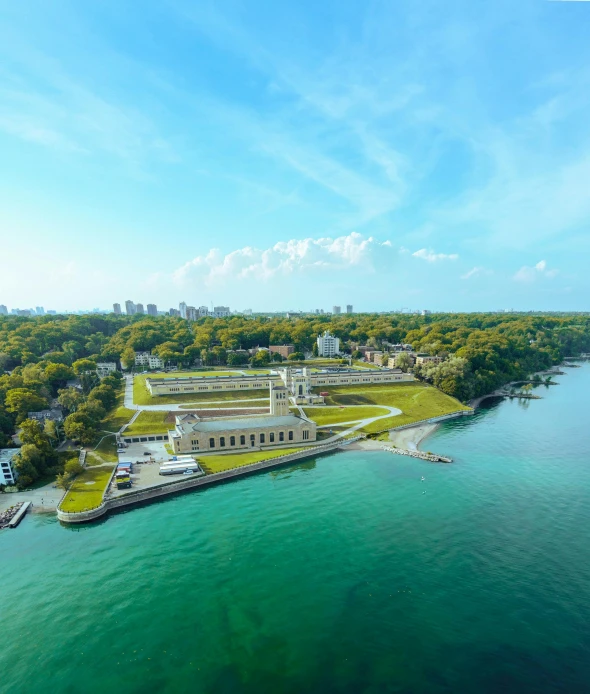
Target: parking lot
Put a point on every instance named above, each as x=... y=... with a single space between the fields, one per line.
x=136 y=451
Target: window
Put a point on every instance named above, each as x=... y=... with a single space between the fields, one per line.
x=305 y=434
x=272 y=437
x=262 y=438
x=232 y=440
x=211 y=443
x=242 y=440
x=222 y=441
x=290 y=436
x=281 y=435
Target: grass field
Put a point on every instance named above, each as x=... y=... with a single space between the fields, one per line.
x=141 y=395
x=243 y=404
x=187 y=374
x=219 y=463
x=105 y=453
x=335 y=415
x=149 y=423
x=116 y=418
x=417 y=401
x=82 y=496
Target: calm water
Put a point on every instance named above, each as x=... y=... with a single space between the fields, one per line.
x=339 y=575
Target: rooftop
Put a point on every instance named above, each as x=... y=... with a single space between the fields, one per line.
x=206 y=425
x=7 y=454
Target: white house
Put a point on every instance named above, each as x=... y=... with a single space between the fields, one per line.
x=149 y=360
x=328 y=345
x=8 y=474
x=104 y=368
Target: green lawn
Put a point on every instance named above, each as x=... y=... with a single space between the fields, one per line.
x=82 y=496
x=335 y=415
x=238 y=403
x=187 y=374
x=141 y=395
x=417 y=401
x=118 y=416
x=149 y=423
x=105 y=453
x=219 y=463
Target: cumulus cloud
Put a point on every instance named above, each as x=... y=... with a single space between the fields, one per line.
x=530 y=274
x=297 y=256
x=476 y=271
x=431 y=257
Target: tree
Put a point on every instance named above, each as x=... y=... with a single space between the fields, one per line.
x=22 y=400
x=357 y=354
x=58 y=374
x=105 y=394
x=51 y=431
x=236 y=359
x=70 y=398
x=296 y=356
x=128 y=358
x=261 y=358
x=82 y=366
x=403 y=361
x=73 y=467
x=30 y=464
x=276 y=356
x=315 y=349
x=80 y=426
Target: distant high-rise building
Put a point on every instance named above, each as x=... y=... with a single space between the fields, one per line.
x=139 y=308
x=182 y=309
x=130 y=308
x=117 y=309
x=152 y=310
x=3 y=310
x=348 y=308
x=328 y=345
x=174 y=312
x=247 y=311
x=191 y=313
x=203 y=312
x=40 y=311
x=336 y=310
x=221 y=311
x=51 y=313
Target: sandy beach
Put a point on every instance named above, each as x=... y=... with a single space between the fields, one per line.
x=406 y=438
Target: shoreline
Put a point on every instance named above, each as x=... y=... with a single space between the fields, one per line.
x=409 y=438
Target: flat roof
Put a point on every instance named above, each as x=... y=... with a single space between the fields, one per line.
x=241 y=423
x=7 y=454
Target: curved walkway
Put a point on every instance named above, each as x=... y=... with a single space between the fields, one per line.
x=356 y=424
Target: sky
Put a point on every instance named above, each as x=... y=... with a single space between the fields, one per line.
x=275 y=156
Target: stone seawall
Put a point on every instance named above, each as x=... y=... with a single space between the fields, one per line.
x=433 y=420
x=152 y=493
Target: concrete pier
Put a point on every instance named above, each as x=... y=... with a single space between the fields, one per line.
x=19 y=515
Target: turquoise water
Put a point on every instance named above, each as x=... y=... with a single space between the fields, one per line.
x=338 y=575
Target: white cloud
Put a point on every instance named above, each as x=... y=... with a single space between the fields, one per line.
x=476 y=272
x=530 y=274
x=431 y=257
x=296 y=256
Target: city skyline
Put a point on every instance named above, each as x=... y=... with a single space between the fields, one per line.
x=281 y=154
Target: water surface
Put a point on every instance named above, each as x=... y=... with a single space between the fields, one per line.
x=337 y=575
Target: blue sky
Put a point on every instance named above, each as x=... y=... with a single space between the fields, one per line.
x=295 y=155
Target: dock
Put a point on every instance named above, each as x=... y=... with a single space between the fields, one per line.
x=14 y=516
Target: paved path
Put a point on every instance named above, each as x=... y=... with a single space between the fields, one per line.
x=356 y=424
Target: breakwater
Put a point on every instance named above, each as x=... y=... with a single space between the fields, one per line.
x=156 y=492
x=431 y=457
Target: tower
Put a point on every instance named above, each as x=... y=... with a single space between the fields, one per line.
x=279 y=401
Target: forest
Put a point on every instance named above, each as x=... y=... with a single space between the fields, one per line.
x=39 y=355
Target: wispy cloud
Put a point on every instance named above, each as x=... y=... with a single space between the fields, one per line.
x=476 y=271
x=431 y=257
x=530 y=274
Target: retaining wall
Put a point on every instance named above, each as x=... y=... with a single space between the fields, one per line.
x=137 y=497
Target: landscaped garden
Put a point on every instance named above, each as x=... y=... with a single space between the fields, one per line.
x=219 y=463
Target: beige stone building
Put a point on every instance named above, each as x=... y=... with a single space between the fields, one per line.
x=193 y=434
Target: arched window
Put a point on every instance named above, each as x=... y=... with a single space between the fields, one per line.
x=290 y=436
x=281 y=435
x=211 y=443
x=232 y=440
x=222 y=441
x=262 y=438
x=272 y=437
x=242 y=440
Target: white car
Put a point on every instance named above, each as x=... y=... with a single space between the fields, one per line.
x=188 y=472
